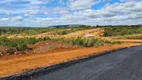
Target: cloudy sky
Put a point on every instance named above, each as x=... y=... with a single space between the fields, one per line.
x=60 y=12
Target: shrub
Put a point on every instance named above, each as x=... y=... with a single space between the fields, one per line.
x=20 y=43
x=85 y=41
x=120 y=31
x=134 y=36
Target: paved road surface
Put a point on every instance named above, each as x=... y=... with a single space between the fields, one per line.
x=120 y=65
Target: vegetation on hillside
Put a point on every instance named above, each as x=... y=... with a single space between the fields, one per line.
x=34 y=31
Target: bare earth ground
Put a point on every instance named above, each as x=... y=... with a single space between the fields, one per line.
x=18 y=63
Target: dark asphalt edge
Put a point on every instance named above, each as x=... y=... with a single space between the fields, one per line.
x=33 y=73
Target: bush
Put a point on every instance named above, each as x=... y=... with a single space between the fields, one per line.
x=20 y=43
x=134 y=36
x=120 y=31
x=85 y=41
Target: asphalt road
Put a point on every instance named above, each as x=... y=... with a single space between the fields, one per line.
x=120 y=65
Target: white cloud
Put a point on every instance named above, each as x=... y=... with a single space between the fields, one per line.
x=4 y=19
x=81 y=4
x=18 y=18
x=76 y=12
x=118 y=13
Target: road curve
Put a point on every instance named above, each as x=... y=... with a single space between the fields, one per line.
x=120 y=65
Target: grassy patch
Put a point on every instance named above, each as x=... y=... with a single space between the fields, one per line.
x=134 y=36
x=20 y=43
x=86 y=42
x=121 y=31
x=34 y=31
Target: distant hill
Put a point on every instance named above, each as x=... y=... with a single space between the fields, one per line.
x=65 y=26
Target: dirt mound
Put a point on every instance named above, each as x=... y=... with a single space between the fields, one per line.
x=4 y=50
x=51 y=46
x=40 y=47
x=97 y=32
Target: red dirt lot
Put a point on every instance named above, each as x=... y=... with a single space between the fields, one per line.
x=18 y=63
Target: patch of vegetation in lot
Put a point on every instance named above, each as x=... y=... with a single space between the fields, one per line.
x=122 y=30
x=133 y=36
x=34 y=31
x=86 y=42
x=25 y=31
x=65 y=31
x=20 y=43
x=70 y=30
